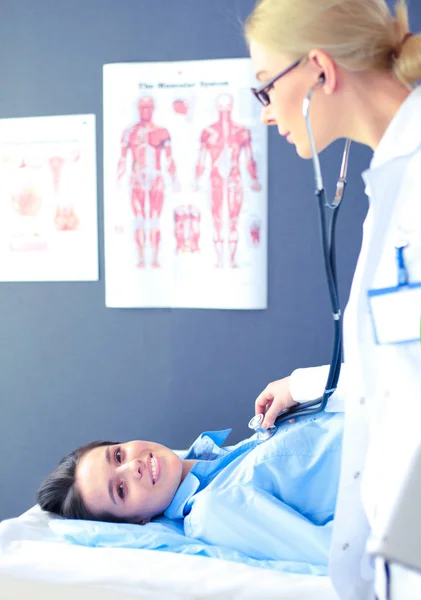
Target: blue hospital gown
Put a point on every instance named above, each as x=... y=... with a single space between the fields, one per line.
x=272 y=500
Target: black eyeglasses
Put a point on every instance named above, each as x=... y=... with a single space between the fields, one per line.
x=262 y=92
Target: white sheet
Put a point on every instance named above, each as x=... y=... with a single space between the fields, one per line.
x=34 y=563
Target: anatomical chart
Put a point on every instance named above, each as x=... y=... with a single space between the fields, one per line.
x=48 y=199
x=185 y=186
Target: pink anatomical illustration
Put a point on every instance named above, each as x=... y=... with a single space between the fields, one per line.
x=39 y=201
x=26 y=199
x=226 y=142
x=255 y=231
x=65 y=218
x=147 y=142
x=181 y=106
x=187 y=228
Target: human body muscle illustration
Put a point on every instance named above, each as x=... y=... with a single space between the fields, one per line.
x=147 y=142
x=225 y=141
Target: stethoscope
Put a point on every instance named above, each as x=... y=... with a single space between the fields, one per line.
x=328 y=246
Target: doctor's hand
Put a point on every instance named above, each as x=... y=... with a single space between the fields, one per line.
x=274 y=399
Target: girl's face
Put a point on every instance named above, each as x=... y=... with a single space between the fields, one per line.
x=286 y=99
x=135 y=481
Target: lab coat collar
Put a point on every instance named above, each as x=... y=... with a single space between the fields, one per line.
x=403 y=135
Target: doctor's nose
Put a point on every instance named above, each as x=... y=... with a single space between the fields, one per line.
x=267 y=116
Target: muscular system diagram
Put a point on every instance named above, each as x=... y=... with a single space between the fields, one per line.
x=147 y=143
x=225 y=142
x=185 y=186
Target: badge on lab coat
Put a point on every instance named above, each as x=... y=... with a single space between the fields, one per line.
x=396 y=311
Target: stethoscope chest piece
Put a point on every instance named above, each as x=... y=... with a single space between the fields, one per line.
x=261 y=433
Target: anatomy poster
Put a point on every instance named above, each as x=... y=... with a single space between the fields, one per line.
x=48 y=199
x=185 y=186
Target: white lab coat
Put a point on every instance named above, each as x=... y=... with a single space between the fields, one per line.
x=380 y=386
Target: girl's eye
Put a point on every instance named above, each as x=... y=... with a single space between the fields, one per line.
x=120 y=491
x=117 y=455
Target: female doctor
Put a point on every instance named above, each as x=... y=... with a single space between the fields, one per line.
x=363 y=63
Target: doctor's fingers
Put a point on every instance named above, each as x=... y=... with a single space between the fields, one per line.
x=278 y=406
x=269 y=406
x=276 y=389
x=263 y=403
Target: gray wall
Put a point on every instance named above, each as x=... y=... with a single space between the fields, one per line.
x=72 y=370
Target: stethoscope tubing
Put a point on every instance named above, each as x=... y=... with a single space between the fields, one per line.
x=329 y=256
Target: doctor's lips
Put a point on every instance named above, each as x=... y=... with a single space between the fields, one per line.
x=154 y=468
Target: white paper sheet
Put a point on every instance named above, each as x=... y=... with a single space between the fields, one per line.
x=185 y=186
x=48 y=199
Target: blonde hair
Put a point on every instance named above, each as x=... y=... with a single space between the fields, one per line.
x=357 y=34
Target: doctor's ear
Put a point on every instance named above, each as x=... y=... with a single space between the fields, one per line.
x=325 y=69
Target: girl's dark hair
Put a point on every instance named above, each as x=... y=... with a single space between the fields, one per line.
x=58 y=492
